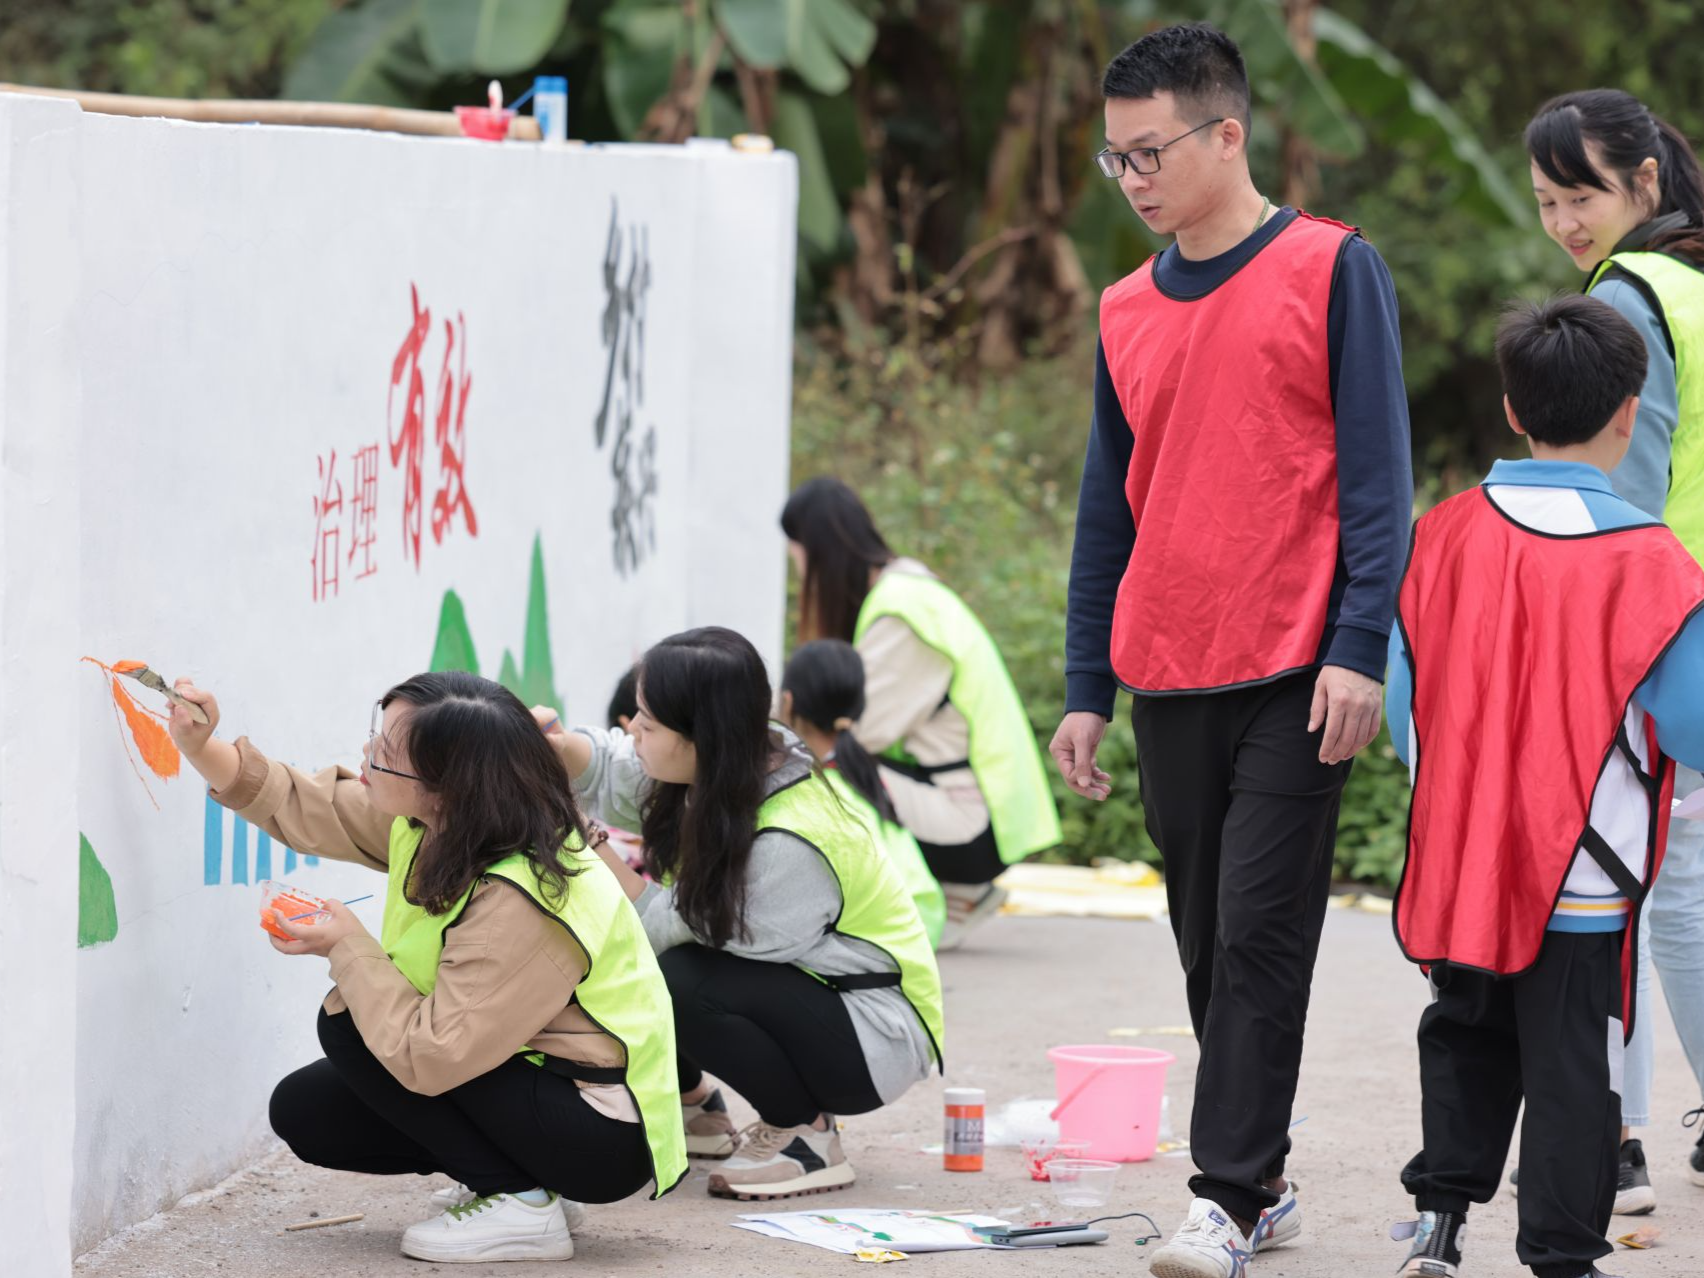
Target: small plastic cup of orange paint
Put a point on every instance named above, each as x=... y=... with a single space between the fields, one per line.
x=292 y=903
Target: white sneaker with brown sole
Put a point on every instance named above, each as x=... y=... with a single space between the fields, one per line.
x=710 y=1133
x=783 y=1162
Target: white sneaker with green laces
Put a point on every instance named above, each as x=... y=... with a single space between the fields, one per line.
x=501 y=1227
x=455 y=1195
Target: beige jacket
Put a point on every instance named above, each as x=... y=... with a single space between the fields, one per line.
x=905 y=696
x=507 y=975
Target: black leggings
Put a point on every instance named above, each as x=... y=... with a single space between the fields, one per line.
x=975 y=862
x=515 y=1128
x=778 y=1037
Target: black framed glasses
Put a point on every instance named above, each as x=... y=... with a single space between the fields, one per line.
x=376 y=741
x=1144 y=159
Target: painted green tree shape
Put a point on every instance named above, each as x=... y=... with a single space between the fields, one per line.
x=534 y=679
x=97 y=911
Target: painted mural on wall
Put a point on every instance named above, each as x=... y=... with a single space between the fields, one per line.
x=533 y=679
x=139 y=725
x=97 y=910
x=633 y=450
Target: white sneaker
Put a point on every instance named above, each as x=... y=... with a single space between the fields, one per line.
x=501 y=1227
x=456 y=1195
x=1208 y=1244
x=969 y=906
x=1278 y=1224
x=783 y=1162
x=710 y=1133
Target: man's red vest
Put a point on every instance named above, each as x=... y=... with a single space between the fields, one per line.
x=1233 y=474
x=1526 y=649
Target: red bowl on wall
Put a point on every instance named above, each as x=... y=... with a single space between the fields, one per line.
x=484 y=123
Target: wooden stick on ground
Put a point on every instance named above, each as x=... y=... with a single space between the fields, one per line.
x=325 y=115
x=329 y=1220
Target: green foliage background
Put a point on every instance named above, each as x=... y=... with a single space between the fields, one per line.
x=1415 y=108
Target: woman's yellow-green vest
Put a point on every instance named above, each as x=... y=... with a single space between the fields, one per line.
x=1003 y=753
x=875 y=906
x=903 y=852
x=623 y=992
x=1679 y=290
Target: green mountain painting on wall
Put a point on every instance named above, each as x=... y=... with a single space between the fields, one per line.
x=534 y=679
x=97 y=911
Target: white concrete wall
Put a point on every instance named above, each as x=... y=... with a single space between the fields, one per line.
x=194 y=318
x=39 y=723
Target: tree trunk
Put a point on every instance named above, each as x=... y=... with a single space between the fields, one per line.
x=1301 y=162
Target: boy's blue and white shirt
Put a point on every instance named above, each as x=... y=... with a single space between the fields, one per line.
x=1563 y=498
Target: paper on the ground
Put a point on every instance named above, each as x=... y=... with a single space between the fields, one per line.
x=847 y=1231
x=1691 y=807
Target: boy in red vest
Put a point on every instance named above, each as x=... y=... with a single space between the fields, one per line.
x=1547 y=664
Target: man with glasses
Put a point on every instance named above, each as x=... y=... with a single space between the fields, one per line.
x=1241 y=532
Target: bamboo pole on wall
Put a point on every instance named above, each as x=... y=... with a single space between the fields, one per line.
x=324 y=115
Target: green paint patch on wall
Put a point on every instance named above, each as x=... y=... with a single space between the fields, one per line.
x=454 y=648
x=97 y=912
x=533 y=680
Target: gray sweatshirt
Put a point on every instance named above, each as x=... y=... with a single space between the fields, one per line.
x=792 y=901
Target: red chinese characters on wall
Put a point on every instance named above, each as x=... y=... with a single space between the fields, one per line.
x=406 y=413
x=328 y=514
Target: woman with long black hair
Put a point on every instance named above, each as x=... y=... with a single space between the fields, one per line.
x=509 y=1027
x=957 y=751
x=1621 y=191
x=799 y=968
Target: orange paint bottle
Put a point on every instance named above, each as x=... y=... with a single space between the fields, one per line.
x=962 y=1147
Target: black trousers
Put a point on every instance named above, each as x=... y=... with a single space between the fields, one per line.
x=1554 y=1036
x=1245 y=817
x=975 y=862
x=778 y=1037
x=515 y=1128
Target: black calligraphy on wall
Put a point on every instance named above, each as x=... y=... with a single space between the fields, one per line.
x=621 y=414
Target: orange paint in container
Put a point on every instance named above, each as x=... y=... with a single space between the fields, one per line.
x=288 y=901
x=961 y=1150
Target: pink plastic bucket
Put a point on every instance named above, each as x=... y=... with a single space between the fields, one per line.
x=1111 y=1098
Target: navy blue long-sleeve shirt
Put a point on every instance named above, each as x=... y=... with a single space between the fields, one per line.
x=1375 y=482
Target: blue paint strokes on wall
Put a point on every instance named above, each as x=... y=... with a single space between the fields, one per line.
x=211 y=837
x=239 y=850
x=213 y=850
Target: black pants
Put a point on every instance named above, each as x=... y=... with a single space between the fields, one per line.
x=1553 y=1035
x=778 y=1037
x=975 y=862
x=515 y=1128
x=1245 y=817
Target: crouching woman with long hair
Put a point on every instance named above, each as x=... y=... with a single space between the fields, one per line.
x=800 y=970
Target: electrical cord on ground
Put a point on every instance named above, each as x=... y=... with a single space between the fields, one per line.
x=1132 y=1215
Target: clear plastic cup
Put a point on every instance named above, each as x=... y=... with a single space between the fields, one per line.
x=292 y=903
x=1039 y=1153
x=1081 y=1182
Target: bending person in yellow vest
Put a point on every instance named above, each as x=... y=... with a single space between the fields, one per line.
x=822 y=698
x=958 y=752
x=510 y=1027
x=800 y=970
x=1621 y=191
